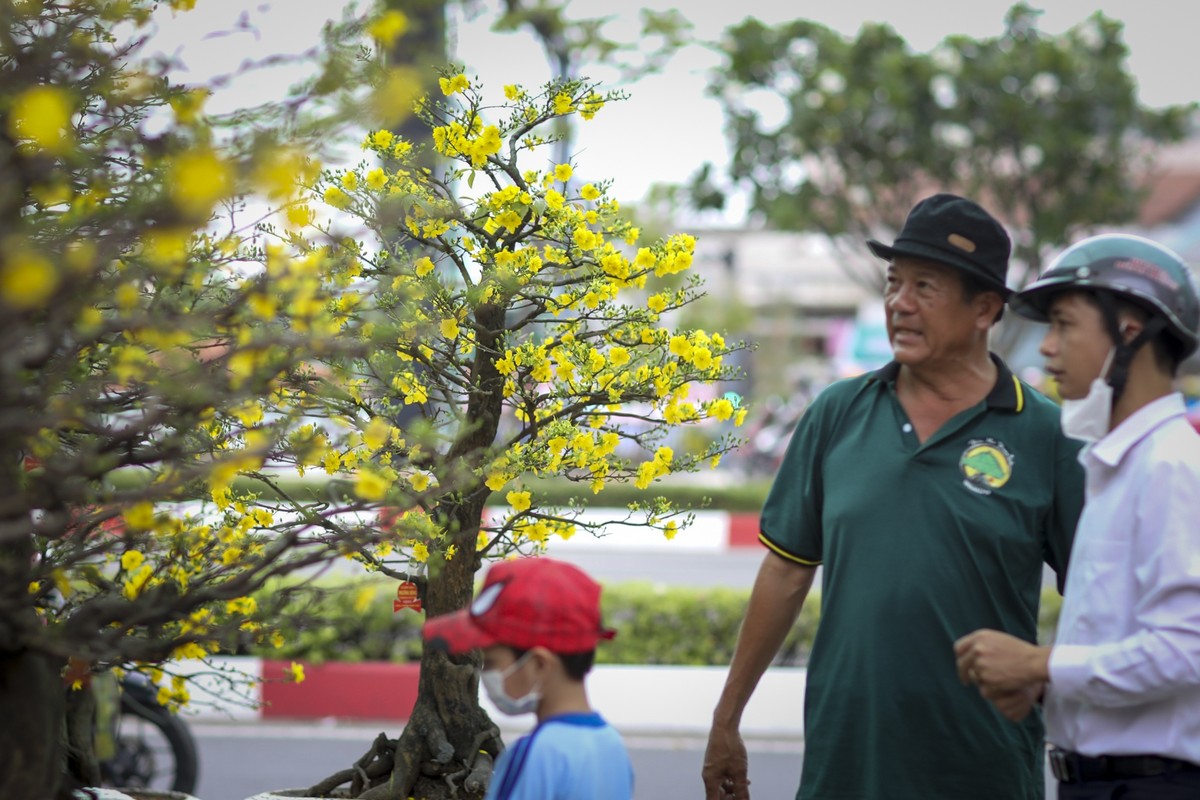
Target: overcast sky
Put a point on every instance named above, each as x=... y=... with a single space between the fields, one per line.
x=668 y=128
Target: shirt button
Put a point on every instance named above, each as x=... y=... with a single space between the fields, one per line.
x=907 y=427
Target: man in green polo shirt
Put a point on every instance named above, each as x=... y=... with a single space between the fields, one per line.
x=932 y=491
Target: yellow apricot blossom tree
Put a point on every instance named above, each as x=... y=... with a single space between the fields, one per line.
x=529 y=336
x=149 y=357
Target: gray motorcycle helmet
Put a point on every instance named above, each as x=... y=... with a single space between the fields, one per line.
x=1136 y=269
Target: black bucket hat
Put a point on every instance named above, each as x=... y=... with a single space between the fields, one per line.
x=957 y=232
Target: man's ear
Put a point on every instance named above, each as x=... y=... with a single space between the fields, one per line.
x=987 y=306
x=1130 y=326
x=544 y=658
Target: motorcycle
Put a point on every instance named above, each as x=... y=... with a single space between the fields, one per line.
x=151 y=747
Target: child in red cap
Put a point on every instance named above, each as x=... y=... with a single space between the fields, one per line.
x=537 y=621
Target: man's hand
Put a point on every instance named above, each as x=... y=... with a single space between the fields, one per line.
x=1001 y=664
x=726 y=767
x=1015 y=706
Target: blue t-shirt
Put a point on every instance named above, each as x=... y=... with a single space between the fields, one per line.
x=568 y=757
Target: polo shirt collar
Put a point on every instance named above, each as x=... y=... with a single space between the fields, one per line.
x=1137 y=426
x=1007 y=394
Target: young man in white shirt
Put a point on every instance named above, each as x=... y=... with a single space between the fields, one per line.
x=1121 y=684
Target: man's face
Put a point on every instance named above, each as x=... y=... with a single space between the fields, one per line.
x=927 y=318
x=1075 y=345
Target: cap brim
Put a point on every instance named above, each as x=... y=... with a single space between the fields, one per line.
x=455 y=633
x=915 y=250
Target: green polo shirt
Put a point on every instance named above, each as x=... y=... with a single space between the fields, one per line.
x=921 y=544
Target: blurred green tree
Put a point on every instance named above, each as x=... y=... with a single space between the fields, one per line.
x=842 y=136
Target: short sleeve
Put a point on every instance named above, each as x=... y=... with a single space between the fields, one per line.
x=790 y=524
x=1067 y=504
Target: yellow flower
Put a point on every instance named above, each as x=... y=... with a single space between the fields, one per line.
x=563 y=104
x=509 y=220
x=388 y=27
x=377 y=433
x=136 y=582
x=563 y=172
x=295 y=673
x=335 y=197
x=140 y=516
x=681 y=347
x=423 y=266
x=131 y=560
x=585 y=239
x=671 y=529
x=377 y=179
x=589 y=192
x=395 y=97
x=646 y=473
x=27 y=279
x=520 y=501
x=189 y=104
x=189 y=650
x=419 y=481
x=451 y=86
x=591 y=105
x=43 y=114
x=420 y=552
x=512 y=91
x=721 y=409
x=370 y=485
x=449 y=328
x=350 y=181
x=496 y=481
x=657 y=303
x=199 y=178
x=300 y=215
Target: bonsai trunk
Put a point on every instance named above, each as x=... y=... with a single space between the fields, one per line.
x=33 y=759
x=449 y=746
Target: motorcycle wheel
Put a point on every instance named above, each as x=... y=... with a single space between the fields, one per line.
x=154 y=749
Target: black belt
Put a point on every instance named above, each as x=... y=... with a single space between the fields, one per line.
x=1070 y=767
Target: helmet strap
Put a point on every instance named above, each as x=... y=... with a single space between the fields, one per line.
x=1118 y=375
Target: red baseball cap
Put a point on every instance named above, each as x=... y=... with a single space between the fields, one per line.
x=525 y=603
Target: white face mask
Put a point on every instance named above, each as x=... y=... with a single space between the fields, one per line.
x=1088 y=419
x=493 y=684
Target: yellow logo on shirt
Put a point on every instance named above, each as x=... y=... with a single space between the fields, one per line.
x=986 y=465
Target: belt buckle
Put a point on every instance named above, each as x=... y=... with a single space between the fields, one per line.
x=1060 y=766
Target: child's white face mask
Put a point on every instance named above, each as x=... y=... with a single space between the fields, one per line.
x=1088 y=419
x=493 y=684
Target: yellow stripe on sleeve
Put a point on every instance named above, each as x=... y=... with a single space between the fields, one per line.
x=1020 y=394
x=774 y=548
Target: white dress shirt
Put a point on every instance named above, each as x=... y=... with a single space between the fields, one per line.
x=1125 y=666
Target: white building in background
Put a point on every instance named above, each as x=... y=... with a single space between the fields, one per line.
x=810 y=309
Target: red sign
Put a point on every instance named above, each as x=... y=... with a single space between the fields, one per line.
x=406 y=597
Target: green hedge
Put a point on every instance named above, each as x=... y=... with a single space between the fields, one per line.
x=734 y=494
x=355 y=622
